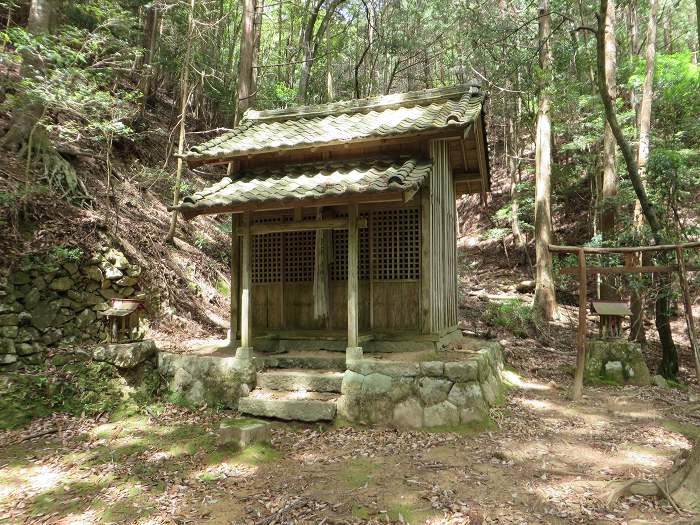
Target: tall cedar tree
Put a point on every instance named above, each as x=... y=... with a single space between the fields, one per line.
x=545 y=303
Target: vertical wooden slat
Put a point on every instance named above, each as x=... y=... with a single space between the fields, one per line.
x=370 y=248
x=353 y=281
x=425 y=260
x=246 y=286
x=692 y=336
x=577 y=389
x=234 y=287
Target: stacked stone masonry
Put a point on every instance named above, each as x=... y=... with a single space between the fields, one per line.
x=207 y=380
x=46 y=303
x=423 y=394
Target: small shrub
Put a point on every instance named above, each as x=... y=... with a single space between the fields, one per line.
x=511 y=314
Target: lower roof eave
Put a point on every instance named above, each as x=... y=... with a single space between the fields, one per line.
x=189 y=213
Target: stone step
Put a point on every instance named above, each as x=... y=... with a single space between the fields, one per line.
x=315 y=360
x=301 y=380
x=292 y=406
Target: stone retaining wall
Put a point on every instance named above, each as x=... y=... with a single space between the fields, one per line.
x=423 y=394
x=209 y=380
x=51 y=300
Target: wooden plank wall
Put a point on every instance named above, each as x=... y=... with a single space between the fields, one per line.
x=439 y=293
x=384 y=304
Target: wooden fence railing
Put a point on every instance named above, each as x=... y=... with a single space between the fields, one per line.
x=582 y=271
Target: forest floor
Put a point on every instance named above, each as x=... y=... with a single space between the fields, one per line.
x=544 y=459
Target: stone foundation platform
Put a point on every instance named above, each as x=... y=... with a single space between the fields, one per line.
x=451 y=388
x=616 y=360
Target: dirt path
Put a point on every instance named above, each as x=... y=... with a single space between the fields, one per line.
x=545 y=460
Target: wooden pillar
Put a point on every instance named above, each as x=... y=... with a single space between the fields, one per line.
x=688 y=305
x=577 y=389
x=246 y=286
x=235 y=266
x=323 y=250
x=353 y=350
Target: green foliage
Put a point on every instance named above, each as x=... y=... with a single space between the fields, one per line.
x=200 y=240
x=511 y=314
x=70 y=384
x=62 y=253
x=223 y=287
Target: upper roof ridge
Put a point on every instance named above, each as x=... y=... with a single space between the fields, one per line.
x=347 y=107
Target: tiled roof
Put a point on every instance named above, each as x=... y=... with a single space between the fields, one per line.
x=309 y=182
x=380 y=117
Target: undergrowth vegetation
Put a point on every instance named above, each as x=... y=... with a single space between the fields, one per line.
x=74 y=384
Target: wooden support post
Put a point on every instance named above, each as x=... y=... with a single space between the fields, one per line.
x=235 y=267
x=353 y=350
x=577 y=388
x=692 y=336
x=244 y=351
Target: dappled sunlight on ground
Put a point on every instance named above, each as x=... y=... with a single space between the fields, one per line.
x=517 y=381
x=544 y=460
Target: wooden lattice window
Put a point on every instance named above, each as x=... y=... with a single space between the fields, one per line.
x=267 y=253
x=396 y=244
x=299 y=254
x=339 y=264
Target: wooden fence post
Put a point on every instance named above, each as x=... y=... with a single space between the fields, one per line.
x=692 y=336
x=577 y=388
x=234 y=292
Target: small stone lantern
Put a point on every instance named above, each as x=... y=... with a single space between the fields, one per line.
x=611 y=314
x=123 y=320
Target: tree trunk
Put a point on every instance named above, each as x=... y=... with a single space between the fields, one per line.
x=697 y=21
x=40 y=15
x=26 y=118
x=330 y=91
x=545 y=304
x=681 y=485
x=669 y=364
x=246 y=94
x=150 y=41
x=637 y=300
x=184 y=93
x=311 y=43
x=608 y=291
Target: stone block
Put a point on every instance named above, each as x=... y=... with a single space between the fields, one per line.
x=658 y=380
x=388 y=368
x=471 y=414
x=352 y=382
x=9 y=320
x=615 y=371
x=32 y=298
x=433 y=390
x=19 y=278
x=43 y=315
x=240 y=433
x=432 y=368
x=442 y=414
x=462 y=371
x=467 y=395
x=408 y=414
x=125 y=355
x=7 y=359
x=491 y=389
x=71 y=268
x=25 y=349
x=93 y=273
x=61 y=284
x=402 y=387
x=127 y=281
x=27 y=334
x=376 y=384
x=8 y=332
x=7 y=346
